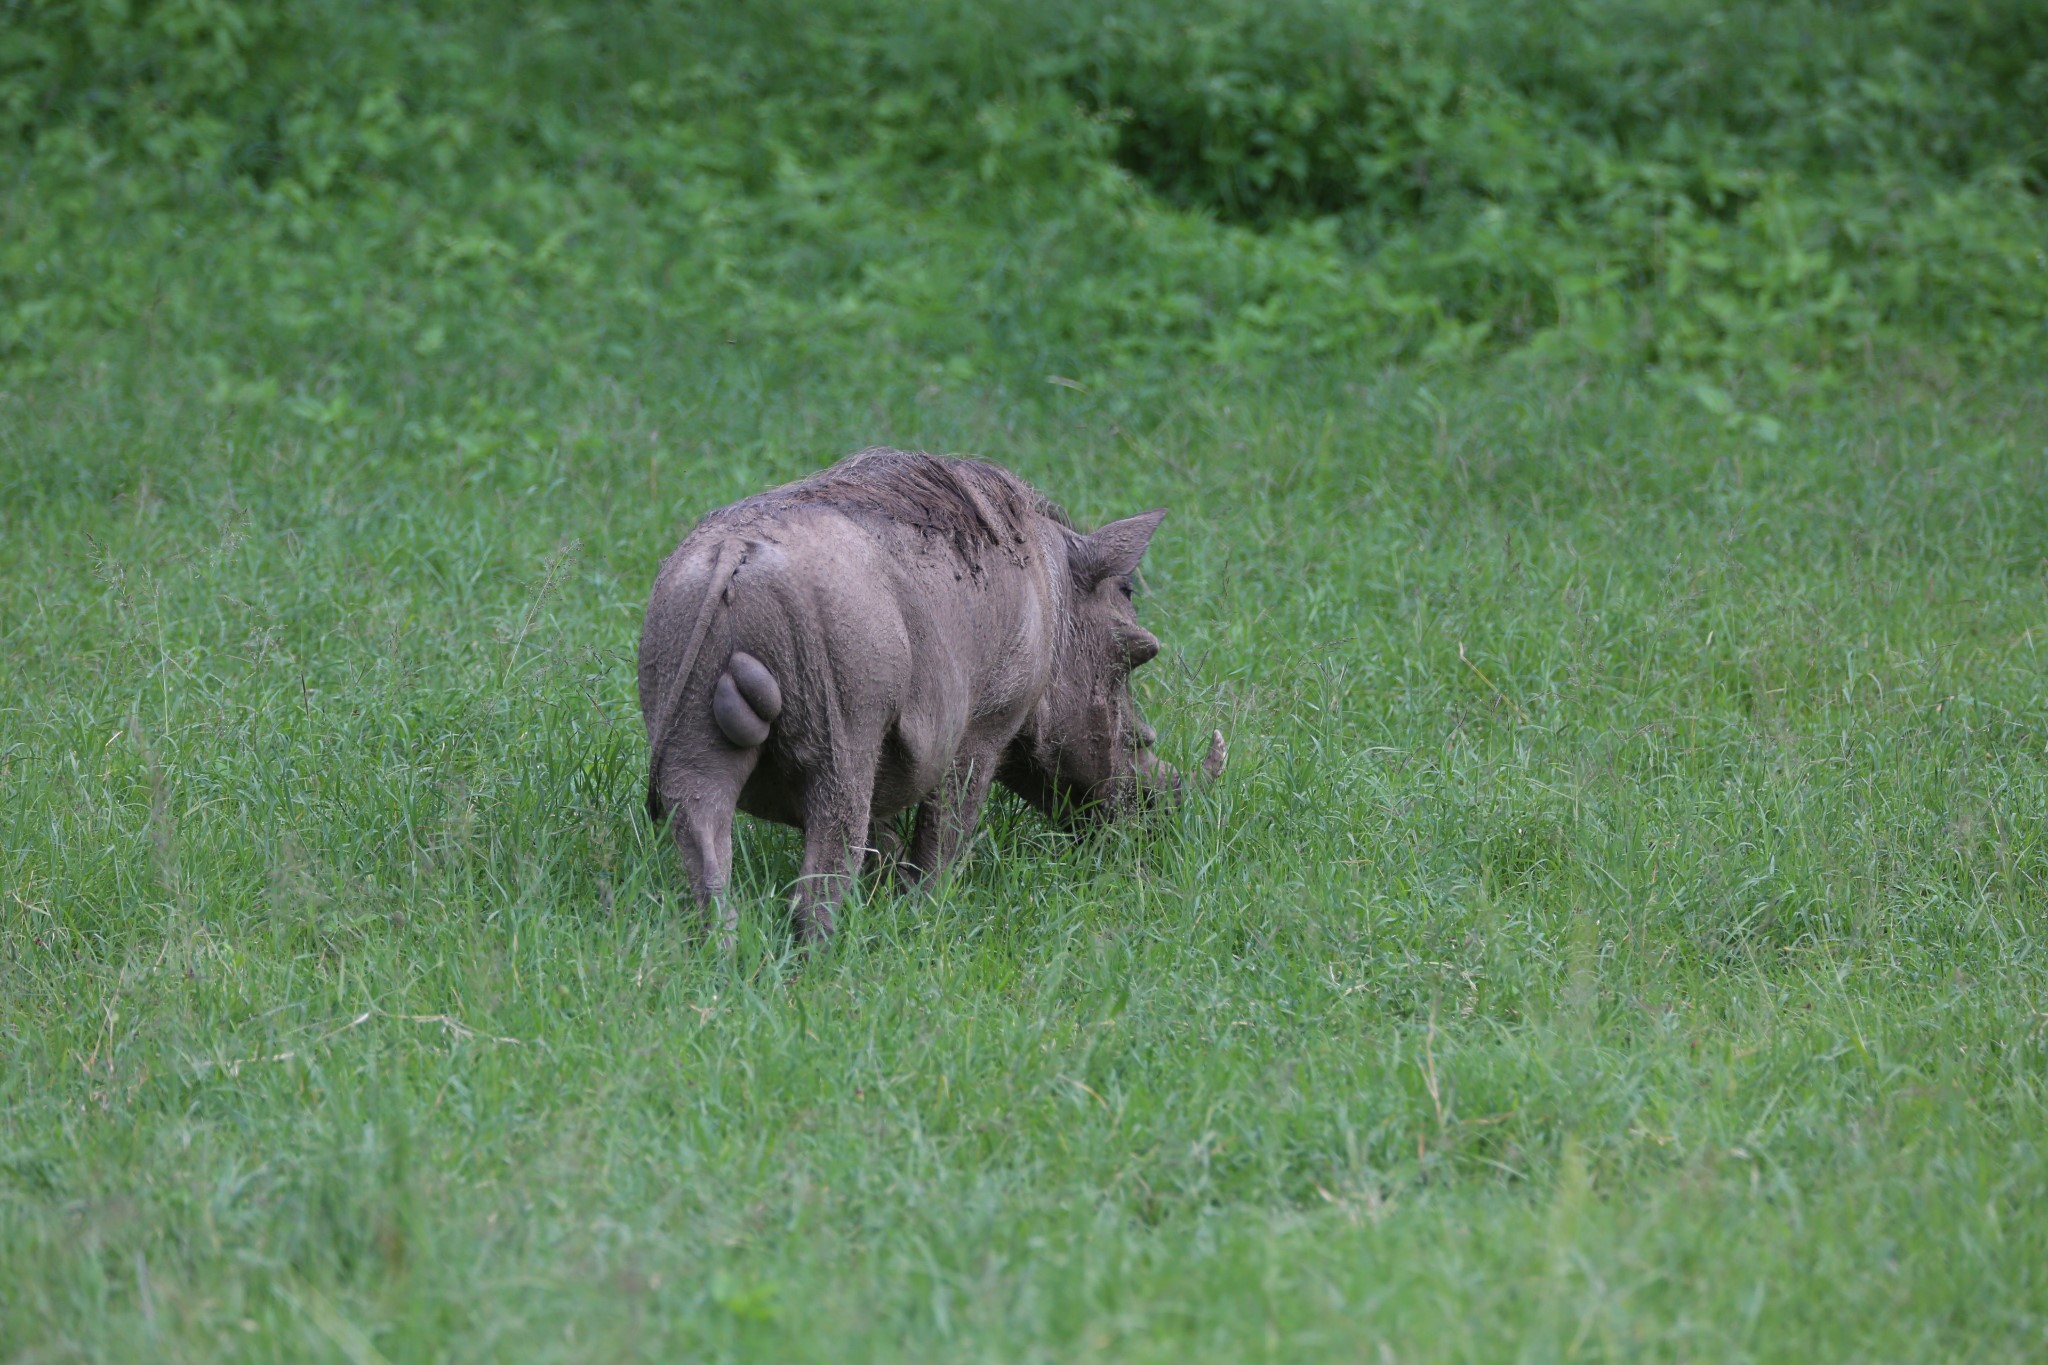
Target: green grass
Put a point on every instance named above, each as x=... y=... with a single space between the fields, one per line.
x=1619 y=933
x=1610 y=519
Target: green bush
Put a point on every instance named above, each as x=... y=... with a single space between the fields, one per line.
x=1758 y=187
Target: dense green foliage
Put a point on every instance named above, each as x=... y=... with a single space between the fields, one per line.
x=1761 y=186
x=1606 y=444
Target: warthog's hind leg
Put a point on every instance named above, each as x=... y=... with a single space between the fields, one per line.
x=701 y=801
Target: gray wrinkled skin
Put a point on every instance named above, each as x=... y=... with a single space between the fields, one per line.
x=897 y=631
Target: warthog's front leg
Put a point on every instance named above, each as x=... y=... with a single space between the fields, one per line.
x=946 y=819
x=834 y=827
x=884 y=846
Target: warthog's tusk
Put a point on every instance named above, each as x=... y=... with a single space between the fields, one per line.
x=1219 y=754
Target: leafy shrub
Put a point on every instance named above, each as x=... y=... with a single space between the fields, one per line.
x=1744 y=185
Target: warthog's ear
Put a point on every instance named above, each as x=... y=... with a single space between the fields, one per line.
x=1115 y=549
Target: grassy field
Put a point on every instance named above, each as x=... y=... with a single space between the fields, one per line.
x=1619 y=570
x=1619 y=932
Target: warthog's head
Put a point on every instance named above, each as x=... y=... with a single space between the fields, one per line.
x=1087 y=751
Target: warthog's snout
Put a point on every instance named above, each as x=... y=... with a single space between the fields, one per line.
x=1159 y=780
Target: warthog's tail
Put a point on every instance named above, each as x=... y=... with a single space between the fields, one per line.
x=715 y=588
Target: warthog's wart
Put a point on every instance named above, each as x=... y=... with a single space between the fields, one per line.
x=899 y=630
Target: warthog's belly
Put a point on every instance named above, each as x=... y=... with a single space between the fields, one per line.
x=778 y=789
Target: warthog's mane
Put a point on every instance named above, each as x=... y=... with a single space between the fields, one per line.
x=974 y=505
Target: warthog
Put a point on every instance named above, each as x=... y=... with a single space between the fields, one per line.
x=899 y=630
